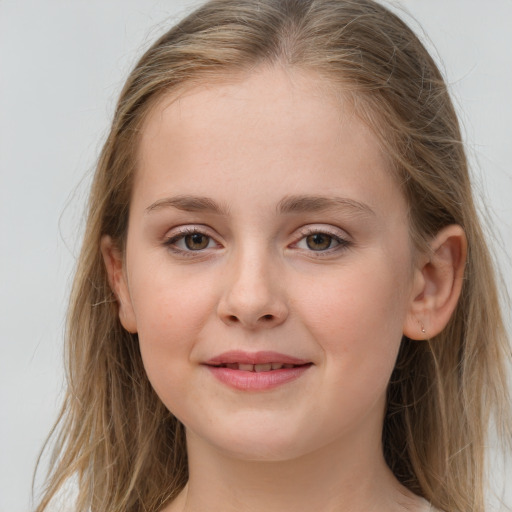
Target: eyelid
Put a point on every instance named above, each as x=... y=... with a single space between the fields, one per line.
x=179 y=232
x=338 y=234
x=342 y=238
x=326 y=229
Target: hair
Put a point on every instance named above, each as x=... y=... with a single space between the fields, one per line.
x=114 y=436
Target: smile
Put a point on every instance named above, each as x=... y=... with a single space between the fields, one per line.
x=259 y=371
x=266 y=367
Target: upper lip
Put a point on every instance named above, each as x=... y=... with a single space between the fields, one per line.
x=263 y=357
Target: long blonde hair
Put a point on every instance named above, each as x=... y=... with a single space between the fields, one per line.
x=126 y=450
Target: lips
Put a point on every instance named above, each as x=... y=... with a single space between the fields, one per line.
x=255 y=358
x=266 y=367
x=256 y=371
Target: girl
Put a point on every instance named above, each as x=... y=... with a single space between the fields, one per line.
x=284 y=299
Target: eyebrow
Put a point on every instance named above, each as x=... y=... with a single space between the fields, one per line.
x=288 y=205
x=306 y=203
x=189 y=204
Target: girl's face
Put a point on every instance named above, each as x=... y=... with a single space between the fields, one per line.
x=268 y=270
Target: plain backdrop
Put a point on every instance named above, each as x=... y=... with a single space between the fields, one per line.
x=62 y=64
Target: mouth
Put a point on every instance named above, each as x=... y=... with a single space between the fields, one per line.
x=258 y=371
x=266 y=367
x=263 y=361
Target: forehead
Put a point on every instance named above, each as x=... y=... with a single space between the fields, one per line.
x=272 y=124
x=245 y=100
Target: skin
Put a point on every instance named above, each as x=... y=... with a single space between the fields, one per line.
x=258 y=283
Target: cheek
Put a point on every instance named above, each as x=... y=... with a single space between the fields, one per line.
x=171 y=313
x=356 y=301
x=357 y=319
x=357 y=323
x=171 y=304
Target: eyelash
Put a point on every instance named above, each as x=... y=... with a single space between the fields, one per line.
x=174 y=239
x=341 y=243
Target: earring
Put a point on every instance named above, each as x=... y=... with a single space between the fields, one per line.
x=422 y=328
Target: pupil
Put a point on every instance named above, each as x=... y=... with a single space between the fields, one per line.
x=196 y=241
x=318 y=242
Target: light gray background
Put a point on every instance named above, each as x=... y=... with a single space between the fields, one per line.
x=62 y=64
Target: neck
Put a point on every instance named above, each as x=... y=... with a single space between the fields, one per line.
x=332 y=478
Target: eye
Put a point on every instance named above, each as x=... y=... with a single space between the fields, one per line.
x=190 y=241
x=321 y=241
x=196 y=241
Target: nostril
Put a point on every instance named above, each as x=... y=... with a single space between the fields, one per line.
x=233 y=318
x=268 y=317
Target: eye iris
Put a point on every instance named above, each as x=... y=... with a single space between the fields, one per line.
x=196 y=241
x=318 y=242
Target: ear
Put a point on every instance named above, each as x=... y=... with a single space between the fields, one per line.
x=438 y=283
x=114 y=264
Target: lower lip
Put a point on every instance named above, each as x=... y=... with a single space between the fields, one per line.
x=257 y=381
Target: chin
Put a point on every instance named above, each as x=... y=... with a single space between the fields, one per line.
x=254 y=441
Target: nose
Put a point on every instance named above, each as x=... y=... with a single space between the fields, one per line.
x=253 y=296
